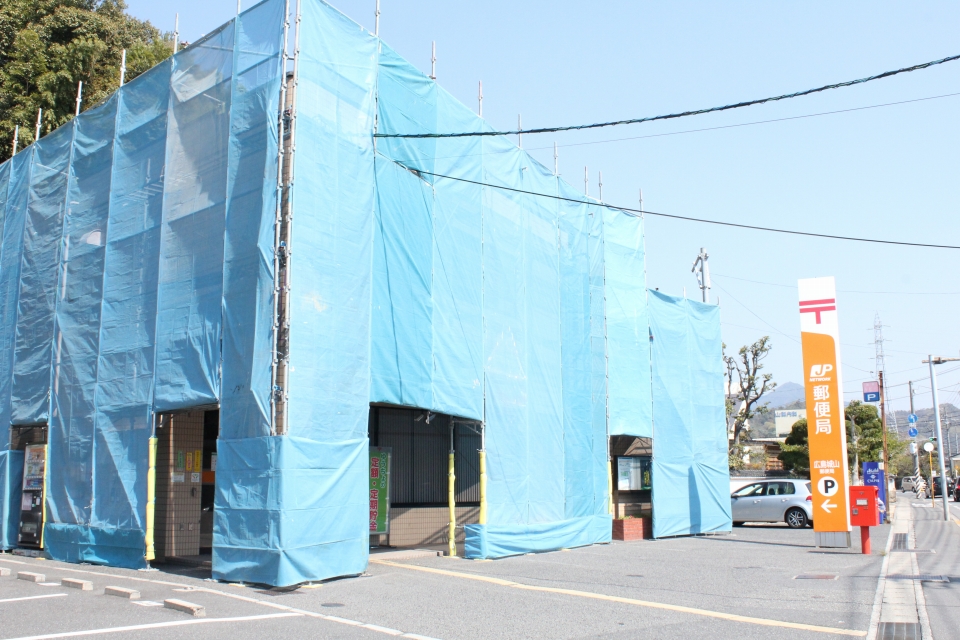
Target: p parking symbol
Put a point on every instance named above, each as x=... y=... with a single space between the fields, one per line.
x=827 y=486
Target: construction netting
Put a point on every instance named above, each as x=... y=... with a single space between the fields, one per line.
x=691 y=475
x=136 y=266
x=137 y=277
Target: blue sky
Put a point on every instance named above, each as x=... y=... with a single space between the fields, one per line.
x=888 y=172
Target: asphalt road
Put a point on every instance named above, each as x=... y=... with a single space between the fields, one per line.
x=743 y=585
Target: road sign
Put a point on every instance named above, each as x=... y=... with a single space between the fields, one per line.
x=912 y=418
x=826 y=431
x=913 y=432
x=928 y=447
x=873 y=396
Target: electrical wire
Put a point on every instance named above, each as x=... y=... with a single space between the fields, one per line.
x=639 y=212
x=705 y=129
x=673 y=116
x=793 y=286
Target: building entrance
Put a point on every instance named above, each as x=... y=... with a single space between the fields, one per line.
x=419 y=442
x=186 y=463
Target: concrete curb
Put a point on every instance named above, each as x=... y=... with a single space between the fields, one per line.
x=83 y=585
x=120 y=592
x=29 y=576
x=196 y=610
x=4 y=572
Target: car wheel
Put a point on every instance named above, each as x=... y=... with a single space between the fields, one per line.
x=796 y=518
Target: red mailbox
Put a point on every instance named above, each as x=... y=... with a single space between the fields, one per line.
x=864 y=506
x=865 y=512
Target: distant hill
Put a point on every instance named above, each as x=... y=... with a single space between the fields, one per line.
x=784 y=394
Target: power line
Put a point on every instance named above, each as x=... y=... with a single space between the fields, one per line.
x=745 y=124
x=672 y=116
x=676 y=217
x=793 y=286
x=704 y=129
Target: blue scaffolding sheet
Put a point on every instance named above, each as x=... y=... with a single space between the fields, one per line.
x=691 y=477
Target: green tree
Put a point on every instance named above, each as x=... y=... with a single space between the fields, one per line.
x=48 y=46
x=864 y=422
x=795 y=452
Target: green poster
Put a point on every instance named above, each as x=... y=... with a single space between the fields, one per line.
x=379 y=490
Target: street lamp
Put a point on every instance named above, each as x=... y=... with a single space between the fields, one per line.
x=939 y=435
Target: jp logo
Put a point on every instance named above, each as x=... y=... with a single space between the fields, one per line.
x=820 y=370
x=828 y=486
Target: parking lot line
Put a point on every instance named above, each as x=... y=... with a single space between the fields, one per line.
x=631 y=601
x=156 y=625
x=48 y=595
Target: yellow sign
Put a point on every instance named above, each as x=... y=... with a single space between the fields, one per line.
x=826 y=426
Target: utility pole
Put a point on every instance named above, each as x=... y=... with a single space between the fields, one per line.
x=702 y=269
x=601 y=186
x=433 y=61
x=176 y=33
x=376 y=26
x=883 y=428
x=880 y=364
x=939 y=432
x=916 y=453
x=556 y=161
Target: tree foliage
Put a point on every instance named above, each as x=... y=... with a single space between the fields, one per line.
x=745 y=403
x=868 y=443
x=48 y=46
x=795 y=452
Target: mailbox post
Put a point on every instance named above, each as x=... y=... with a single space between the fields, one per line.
x=864 y=512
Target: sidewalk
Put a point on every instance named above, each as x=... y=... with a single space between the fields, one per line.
x=918 y=594
x=942 y=561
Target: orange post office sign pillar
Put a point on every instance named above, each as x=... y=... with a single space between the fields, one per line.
x=826 y=426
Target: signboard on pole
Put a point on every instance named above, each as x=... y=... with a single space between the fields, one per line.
x=874 y=476
x=871 y=391
x=379 y=490
x=826 y=426
x=784 y=419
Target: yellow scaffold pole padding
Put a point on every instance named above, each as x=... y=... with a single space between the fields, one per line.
x=483 y=487
x=610 y=487
x=453 y=508
x=151 y=497
x=43 y=506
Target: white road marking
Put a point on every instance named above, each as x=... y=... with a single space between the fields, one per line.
x=49 y=595
x=273 y=605
x=155 y=625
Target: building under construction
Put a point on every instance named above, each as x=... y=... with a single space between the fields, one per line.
x=235 y=319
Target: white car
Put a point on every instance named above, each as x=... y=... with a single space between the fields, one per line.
x=909 y=483
x=779 y=500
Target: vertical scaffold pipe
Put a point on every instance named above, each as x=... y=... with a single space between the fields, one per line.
x=151 y=496
x=610 y=487
x=483 y=475
x=452 y=495
x=46 y=474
